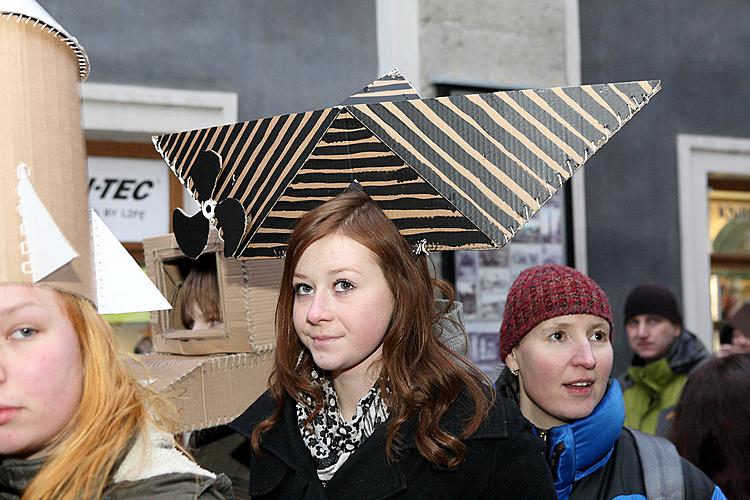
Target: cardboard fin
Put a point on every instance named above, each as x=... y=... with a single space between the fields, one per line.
x=45 y=244
x=121 y=285
x=494 y=158
x=390 y=87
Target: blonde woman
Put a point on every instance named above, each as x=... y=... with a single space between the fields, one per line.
x=73 y=421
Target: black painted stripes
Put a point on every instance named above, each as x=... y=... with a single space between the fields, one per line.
x=461 y=172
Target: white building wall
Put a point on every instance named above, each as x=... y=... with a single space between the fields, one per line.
x=508 y=43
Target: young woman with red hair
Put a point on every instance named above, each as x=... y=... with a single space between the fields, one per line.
x=364 y=400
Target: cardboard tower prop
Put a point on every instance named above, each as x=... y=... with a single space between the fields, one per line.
x=49 y=235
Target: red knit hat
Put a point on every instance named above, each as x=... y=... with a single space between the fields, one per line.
x=544 y=292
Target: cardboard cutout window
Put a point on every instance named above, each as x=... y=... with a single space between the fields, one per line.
x=193 y=287
x=237 y=299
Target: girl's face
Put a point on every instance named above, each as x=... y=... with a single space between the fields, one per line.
x=200 y=321
x=563 y=368
x=41 y=371
x=342 y=306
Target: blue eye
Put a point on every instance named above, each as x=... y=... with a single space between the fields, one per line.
x=23 y=333
x=343 y=286
x=303 y=289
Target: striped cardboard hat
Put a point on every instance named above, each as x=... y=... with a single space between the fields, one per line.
x=460 y=172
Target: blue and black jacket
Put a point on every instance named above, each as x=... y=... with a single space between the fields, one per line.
x=596 y=457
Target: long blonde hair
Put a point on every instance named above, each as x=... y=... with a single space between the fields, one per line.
x=112 y=412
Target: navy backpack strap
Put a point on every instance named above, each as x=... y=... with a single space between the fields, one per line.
x=662 y=467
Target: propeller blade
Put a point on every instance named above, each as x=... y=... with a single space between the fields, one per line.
x=204 y=172
x=191 y=232
x=232 y=221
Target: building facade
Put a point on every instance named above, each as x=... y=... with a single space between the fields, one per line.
x=639 y=211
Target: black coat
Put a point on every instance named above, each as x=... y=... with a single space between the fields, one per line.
x=504 y=460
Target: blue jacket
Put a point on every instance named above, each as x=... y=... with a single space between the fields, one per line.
x=582 y=447
x=596 y=457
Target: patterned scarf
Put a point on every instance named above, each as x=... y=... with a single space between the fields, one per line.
x=331 y=439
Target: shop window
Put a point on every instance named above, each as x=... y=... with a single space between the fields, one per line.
x=483 y=278
x=729 y=238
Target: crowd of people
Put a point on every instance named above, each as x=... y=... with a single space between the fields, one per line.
x=371 y=393
x=368 y=398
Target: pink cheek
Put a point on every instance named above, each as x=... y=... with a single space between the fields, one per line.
x=32 y=370
x=545 y=368
x=49 y=377
x=544 y=377
x=299 y=314
x=298 y=321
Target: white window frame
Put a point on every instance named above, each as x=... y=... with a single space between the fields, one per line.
x=697 y=157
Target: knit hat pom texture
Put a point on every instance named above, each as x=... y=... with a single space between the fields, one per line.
x=545 y=292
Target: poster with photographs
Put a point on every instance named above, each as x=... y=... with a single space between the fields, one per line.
x=483 y=278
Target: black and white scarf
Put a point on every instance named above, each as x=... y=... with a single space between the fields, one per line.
x=331 y=439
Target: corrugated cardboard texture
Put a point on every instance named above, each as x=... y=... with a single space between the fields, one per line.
x=207 y=390
x=248 y=291
x=41 y=126
x=460 y=172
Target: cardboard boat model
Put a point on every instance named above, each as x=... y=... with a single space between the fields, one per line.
x=463 y=172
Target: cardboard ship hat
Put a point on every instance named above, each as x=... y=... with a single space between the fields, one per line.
x=460 y=172
x=49 y=235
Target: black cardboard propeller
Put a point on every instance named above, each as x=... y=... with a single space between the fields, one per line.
x=227 y=213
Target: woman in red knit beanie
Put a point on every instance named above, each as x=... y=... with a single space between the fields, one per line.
x=556 y=340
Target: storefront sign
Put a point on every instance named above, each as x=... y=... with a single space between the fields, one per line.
x=131 y=195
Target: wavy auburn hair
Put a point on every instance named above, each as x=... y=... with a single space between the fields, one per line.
x=711 y=426
x=110 y=415
x=422 y=376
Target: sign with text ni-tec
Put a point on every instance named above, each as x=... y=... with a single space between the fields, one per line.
x=131 y=195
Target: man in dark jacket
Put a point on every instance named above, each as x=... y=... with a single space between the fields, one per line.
x=665 y=354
